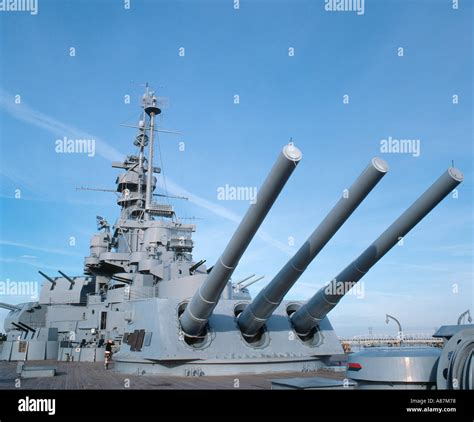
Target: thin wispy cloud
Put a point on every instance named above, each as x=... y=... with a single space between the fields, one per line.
x=39 y=248
x=216 y=209
x=223 y=212
x=38 y=265
x=48 y=123
x=54 y=200
x=31 y=116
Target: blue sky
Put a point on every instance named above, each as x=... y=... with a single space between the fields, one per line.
x=245 y=52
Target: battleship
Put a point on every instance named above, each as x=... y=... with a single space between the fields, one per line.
x=169 y=314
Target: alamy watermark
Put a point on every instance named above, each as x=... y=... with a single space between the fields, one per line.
x=30 y=6
x=357 y=6
x=19 y=288
x=341 y=288
x=401 y=146
x=37 y=405
x=237 y=193
x=75 y=146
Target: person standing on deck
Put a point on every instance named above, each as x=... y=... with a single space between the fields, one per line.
x=108 y=352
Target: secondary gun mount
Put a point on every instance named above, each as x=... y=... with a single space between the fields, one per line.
x=51 y=280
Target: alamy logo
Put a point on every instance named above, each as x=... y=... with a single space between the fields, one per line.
x=345 y=6
x=19 y=6
x=401 y=146
x=78 y=146
x=19 y=288
x=237 y=193
x=37 y=405
x=341 y=288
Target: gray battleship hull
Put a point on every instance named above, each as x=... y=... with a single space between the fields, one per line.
x=165 y=313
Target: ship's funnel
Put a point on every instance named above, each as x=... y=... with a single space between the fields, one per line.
x=306 y=318
x=252 y=319
x=196 y=314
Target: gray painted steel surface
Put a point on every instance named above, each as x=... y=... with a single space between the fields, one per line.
x=394 y=367
x=456 y=364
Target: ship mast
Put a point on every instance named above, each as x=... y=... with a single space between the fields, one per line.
x=152 y=110
x=150 y=207
x=141 y=143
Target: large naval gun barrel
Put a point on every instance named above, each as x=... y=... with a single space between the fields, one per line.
x=196 y=314
x=305 y=319
x=256 y=314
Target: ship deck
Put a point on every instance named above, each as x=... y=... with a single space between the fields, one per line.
x=91 y=376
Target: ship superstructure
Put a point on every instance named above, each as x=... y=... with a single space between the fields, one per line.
x=169 y=313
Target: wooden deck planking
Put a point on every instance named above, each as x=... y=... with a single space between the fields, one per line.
x=85 y=376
